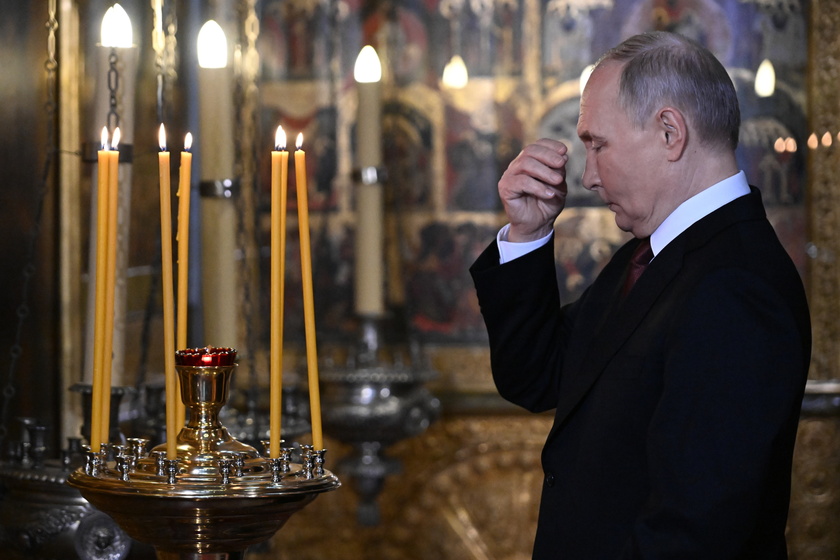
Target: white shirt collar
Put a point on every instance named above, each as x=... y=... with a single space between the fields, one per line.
x=697 y=207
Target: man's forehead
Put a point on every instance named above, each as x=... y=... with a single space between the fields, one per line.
x=603 y=80
x=599 y=95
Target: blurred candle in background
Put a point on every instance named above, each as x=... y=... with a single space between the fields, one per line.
x=217 y=189
x=369 y=257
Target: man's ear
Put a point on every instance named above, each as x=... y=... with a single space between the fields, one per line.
x=673 y=131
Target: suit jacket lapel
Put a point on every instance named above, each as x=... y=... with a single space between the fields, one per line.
x=606 y=323
x=607 y=328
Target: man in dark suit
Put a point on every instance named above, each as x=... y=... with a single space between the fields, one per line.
x=677 y=399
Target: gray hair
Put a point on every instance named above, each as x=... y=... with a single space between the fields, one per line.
x=661 y=67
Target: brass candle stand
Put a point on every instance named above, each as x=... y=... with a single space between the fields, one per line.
x=217 y=497
x=375 y=400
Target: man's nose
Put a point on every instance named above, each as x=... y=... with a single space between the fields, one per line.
x=590 y=177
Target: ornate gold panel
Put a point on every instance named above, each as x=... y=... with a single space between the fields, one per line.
x=824 y=187
x=815 y=503
x=469 y=489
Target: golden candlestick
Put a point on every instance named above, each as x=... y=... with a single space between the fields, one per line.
x=219 y=496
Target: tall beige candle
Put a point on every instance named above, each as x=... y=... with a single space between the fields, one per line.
x=369 y=271
x=215 y=103
x=220 y=303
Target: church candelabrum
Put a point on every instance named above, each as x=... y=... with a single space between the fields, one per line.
x=371 y=403
x=42 y=517
x=217 y=496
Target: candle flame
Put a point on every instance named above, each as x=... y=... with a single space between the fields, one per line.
x=765 y=79
x=104 y=138
x=162 y=138
x=280 y=139
x=115 y=139
x=212 y=46
x=299 y=141
x=116 y=28
x=455 y=73
x=188 y=142
x=368 y=69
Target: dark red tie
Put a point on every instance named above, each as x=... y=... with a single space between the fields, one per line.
x=638 y=263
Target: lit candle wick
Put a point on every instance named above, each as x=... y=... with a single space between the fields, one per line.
x=280 y=139
x=162 y=138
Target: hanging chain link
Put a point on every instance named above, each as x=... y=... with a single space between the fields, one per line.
x=170 y=51
x=113 y=87
x=162 y=98
x=28 y=273
x=158 y=45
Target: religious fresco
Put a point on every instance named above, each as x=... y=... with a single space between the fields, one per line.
x=445 y=148
x=439 y=295
x=479 y=147
x=408 y=150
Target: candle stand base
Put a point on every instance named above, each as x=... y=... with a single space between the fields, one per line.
x=213 y=500
x=206 y=521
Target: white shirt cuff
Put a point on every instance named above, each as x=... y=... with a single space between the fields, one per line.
x=509 y=250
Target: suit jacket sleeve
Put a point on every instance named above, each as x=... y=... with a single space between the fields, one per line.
x=520 y=303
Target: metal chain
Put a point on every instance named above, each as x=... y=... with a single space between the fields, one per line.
x=113 y=87
x=164 y=44
x=23 y=310
x=170 y=51
x=158 y=45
